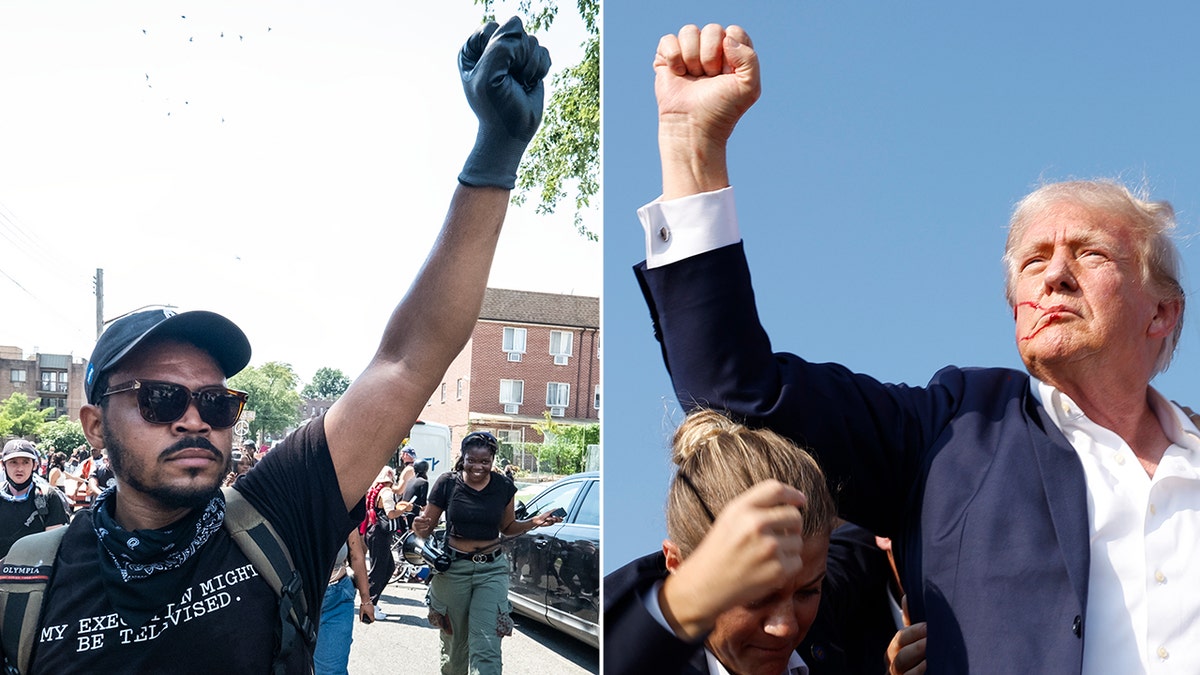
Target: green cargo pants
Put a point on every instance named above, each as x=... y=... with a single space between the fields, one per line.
x=474 y=596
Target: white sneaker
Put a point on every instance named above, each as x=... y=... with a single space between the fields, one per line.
x=379 y=615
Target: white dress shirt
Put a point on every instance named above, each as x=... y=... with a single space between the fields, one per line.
x=1143 y=608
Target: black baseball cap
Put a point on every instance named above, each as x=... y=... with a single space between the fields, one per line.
x=19 y=447
x=209 y=331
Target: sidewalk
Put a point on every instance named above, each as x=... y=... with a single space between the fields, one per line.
x=405 y=643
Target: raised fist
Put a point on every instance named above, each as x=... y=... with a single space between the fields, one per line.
x=502 y=68
x=706 y=79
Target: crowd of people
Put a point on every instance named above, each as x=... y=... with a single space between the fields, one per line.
x=73 y=480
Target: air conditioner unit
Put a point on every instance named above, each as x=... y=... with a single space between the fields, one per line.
x=511 y=408
x=561 y=359
x=514 y=356
x=557 y=411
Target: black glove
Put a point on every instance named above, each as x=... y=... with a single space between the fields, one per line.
x=502 y=69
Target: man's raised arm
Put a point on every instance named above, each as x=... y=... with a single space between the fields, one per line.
x=502 y=70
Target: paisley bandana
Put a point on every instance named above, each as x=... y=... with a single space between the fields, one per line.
x=138 y=580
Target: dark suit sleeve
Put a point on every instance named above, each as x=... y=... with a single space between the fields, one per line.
x=869 y=437
x=634 y=641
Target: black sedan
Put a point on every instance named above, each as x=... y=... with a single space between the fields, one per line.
x=555 y=572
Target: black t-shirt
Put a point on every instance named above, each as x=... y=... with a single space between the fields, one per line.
x=416 y=493
x=470 y=513
x=226 y=617
x=16 y=521
x=104 y=476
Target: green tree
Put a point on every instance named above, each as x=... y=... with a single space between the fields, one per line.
x=566 y=149
x=19 y=416
x=273 y=397
x=328 y=383
x=63 y=434
x=565 y=446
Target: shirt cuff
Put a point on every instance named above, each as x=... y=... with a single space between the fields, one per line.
x=681 y=228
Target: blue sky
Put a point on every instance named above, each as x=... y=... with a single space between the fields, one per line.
x=874 y=180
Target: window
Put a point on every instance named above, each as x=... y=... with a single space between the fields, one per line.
x=58 y=404
x=558 y=394
x=596 y=398
x=443 y=392
x=512 y=391
x=589 y=508
x=459 y=390
x=560 y=346
x=16 y=375
x=54 y=381
x=514 y=343
x=553 y=498
x=512 y=394
x=509 y=436
x=558 y=397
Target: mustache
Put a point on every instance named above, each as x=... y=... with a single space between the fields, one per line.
x=188 y=443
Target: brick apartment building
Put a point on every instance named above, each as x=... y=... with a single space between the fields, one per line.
x=52 y=380
x=529 y=353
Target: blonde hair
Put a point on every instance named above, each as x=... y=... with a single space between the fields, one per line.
x=718 y=459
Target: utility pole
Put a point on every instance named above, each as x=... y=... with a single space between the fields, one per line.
x=99 y=283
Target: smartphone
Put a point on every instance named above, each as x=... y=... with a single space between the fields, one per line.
x=366 y=618
x=560 y=512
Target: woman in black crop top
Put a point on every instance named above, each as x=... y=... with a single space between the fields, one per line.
x=469 y=601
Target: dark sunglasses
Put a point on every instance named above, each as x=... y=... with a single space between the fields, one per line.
x=480 y=438
x=166 y=402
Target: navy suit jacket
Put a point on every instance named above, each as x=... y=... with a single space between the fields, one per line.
x=983 y=497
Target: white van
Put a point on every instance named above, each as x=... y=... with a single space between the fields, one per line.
x=431 y=441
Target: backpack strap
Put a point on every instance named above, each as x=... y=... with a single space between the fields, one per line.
x=24 y=575
x=266 y=551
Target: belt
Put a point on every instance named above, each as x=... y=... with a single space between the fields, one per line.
x=478 y=558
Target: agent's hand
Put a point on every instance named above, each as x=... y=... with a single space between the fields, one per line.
x=755 y=542
x=704 y=80
x=502 y=68
x=906 y=651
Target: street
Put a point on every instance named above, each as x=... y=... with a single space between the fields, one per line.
x=405 y=643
